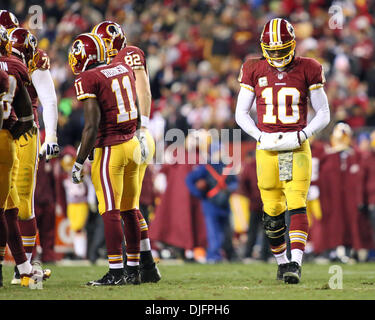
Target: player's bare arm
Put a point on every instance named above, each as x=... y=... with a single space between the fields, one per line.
x=23 y=108
x=142 y=85
x=90 y=130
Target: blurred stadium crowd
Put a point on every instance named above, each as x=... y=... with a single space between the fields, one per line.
x=194 y=51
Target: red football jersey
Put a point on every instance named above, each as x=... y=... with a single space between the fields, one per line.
x=281 y=96
x=113 y=86
x=18 y=77
x=42 y=63
x=133 y=57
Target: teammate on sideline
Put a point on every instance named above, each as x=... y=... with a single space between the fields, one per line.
x=111 y=119
x=24 y=47
x=281 y=83
x=17 y=119
x=134 y=57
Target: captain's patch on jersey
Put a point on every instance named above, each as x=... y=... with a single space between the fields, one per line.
x=263 y=82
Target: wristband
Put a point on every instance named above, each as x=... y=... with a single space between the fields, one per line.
x=145 y=121
x=26 y=119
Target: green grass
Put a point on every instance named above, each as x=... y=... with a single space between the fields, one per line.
x=202 y=282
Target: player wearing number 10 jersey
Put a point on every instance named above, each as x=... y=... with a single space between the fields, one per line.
x=111 y=118
x=282 y=84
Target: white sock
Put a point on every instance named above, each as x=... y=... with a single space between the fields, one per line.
x=297 y=256
x=145 y=245
x=28 y=256
x=281 y=258
x=80 y=244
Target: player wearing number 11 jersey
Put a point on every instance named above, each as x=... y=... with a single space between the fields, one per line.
x=282 y=84
x=111 y=118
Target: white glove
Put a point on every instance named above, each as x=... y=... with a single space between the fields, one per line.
x=144 y=147
x=77 y=174
x=268 y=140
x=288 y=141
x=50 y=148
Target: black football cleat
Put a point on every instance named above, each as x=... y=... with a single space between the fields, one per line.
x=132 y=275
x=108 y=279
x=281 y=270
x=150 y=274
x=292 y=273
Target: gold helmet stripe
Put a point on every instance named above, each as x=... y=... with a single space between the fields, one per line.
x=274 y=30
x=100 y=46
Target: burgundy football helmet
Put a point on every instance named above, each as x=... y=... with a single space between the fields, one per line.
x=8 y=19
x=112 y=35
x=278 y=42
x=24 y=44
x=87 y=49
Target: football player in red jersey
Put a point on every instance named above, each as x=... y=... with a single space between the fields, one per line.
x=24 y=49
x=111 y=119
x=118 y=50
x=281 y=83
x=17 y=120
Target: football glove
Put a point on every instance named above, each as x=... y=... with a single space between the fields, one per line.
x=77 y=174
x=286 y=141
x=267 y=141
x=144 y=147
x=50 y=148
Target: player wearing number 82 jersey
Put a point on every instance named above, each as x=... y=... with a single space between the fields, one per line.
x=282 y=84
x=111 y=118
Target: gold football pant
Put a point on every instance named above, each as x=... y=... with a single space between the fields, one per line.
x=278 y=196
x=115 y=175
x=8 y=169
x=27 y=153
x=77 y=214
x=143 y=166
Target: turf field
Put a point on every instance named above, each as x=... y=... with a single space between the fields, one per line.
x=205 y=282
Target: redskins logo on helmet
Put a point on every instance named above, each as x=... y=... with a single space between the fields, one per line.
x=24 y=44
x=87 y=49
x=5 y=45
x=278 y=42
x=8 y=20
x=113 y=36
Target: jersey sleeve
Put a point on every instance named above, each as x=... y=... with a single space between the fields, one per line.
x=85 y=86
x=43 y=62
x=134 y=57
x=246 y=76
x=314 y=75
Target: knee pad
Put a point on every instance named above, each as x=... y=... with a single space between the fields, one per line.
x=275 y=228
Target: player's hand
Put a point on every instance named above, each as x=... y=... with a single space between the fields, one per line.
x=144 y=147
x=77 y=174
x=267 y=141
x=21 y=128
x=286 y=141
x=50 y=148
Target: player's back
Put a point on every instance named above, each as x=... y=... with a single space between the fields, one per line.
x=18 y=77
x=114 y=88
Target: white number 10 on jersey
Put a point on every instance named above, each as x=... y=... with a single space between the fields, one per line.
x=270 y=117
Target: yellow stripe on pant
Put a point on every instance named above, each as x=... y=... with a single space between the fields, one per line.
x=278 y=195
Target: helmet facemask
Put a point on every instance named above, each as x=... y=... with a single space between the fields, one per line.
x=279 y=55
